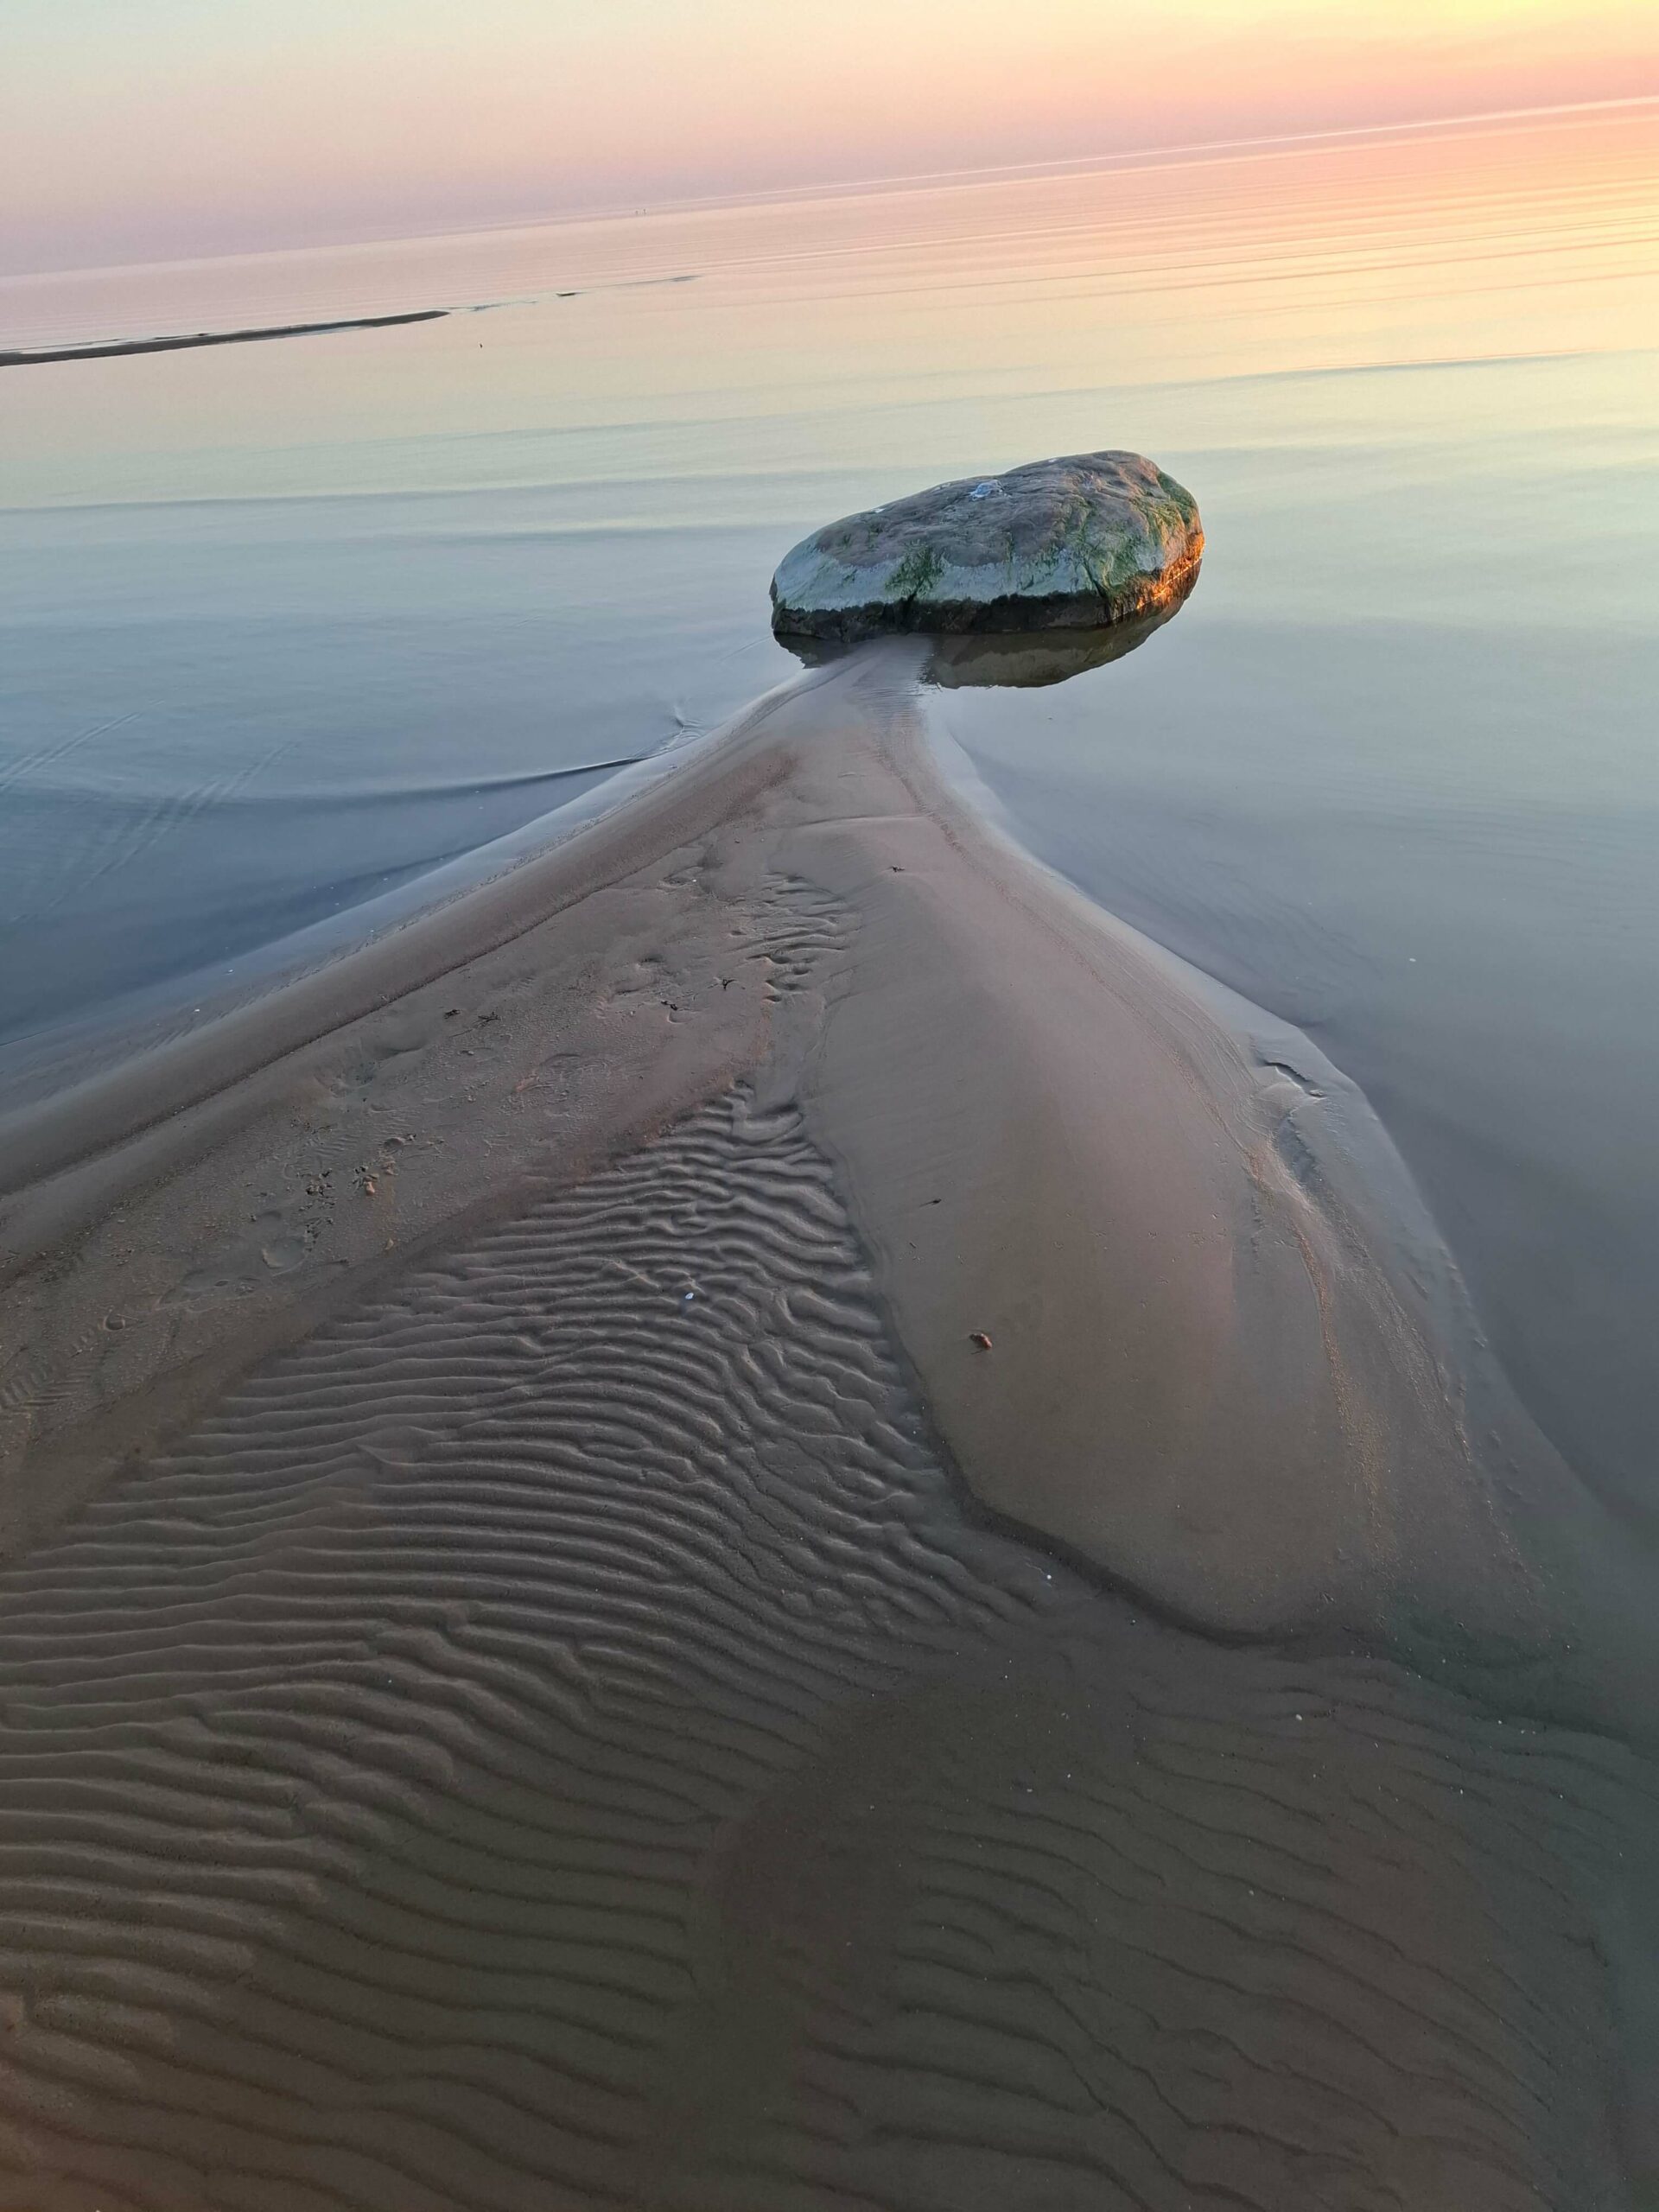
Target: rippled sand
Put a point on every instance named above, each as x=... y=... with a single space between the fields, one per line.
x=541 y=1663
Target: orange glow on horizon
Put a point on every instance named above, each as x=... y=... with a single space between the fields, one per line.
x=127 y=142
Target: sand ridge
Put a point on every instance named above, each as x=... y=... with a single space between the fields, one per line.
x=541 y=1663
x=1211 y=1377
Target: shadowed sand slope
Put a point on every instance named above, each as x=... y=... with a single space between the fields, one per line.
x=539 y=1666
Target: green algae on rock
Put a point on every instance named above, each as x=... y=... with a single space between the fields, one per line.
x=1078 y=543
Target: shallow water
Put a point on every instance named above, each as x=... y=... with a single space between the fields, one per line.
x=286 y=625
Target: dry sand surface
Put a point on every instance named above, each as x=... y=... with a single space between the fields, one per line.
x=542 y=1663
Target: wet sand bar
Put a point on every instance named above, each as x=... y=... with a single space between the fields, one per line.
x=542 y=1661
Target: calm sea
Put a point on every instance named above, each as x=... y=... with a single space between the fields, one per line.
x=284 y=628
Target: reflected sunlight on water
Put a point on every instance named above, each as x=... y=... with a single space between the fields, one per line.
x=1472 y=243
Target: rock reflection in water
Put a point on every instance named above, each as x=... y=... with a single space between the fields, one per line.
x=1007 y=658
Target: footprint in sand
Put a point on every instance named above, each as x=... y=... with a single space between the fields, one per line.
x=285 y=1251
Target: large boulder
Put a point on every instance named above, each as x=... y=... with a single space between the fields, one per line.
x=1075 y=543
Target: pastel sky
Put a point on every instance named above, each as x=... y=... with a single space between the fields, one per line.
x=149 y=129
